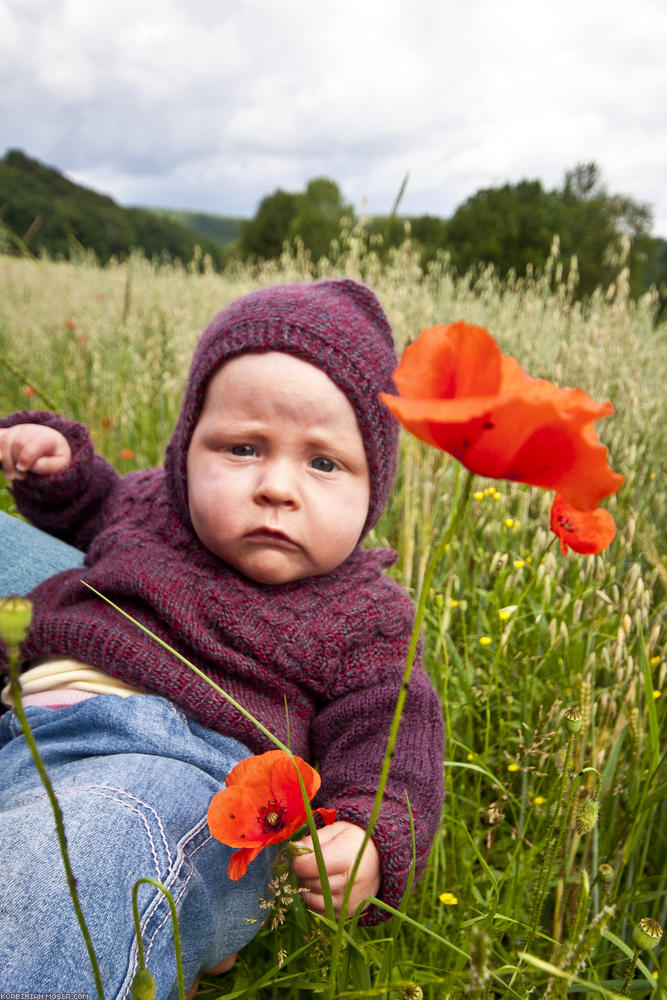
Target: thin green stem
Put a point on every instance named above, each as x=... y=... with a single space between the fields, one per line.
x=631 y=972
x=431 y=566
x=554 y=838
x=174 y=919
x=22 y=377
x=57 y=815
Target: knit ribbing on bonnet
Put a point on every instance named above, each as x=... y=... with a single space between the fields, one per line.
x=337 y=326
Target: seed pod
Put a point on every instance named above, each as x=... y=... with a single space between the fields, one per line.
x=413 y=993
x=573 y=720
x=15 y=618
x=647 y=933
x=606 y=872
x=143 y=985
x=587 y=817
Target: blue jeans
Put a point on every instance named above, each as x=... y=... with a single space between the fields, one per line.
x=134 y=777
x=29 y=556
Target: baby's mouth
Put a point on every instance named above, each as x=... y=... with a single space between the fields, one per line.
x=269 y=536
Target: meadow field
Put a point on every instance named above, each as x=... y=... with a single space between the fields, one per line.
x=526 y=894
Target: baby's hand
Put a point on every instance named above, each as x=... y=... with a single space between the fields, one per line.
x=340 y=845
x=32 y=448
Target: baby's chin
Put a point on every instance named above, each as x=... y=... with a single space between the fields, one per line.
x=272 y=571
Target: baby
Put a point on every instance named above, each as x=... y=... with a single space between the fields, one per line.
x=243 y=553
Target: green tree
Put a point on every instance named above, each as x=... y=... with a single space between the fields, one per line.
x=511 y=227
x=591 y=225
x=320 y=210
x=45 y=212
x=264 y=235
x=314 y=216
x=431 y=233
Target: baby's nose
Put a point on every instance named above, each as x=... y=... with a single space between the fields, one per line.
x=277 y=484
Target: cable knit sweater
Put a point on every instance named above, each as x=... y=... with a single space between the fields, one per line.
x=318 y=661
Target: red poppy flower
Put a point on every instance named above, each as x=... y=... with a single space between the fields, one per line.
x=261 y=805
x=126 y=453
x=457 y=391
x=584 y=531
x=28 y=390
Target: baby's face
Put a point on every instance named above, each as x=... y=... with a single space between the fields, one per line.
x=278 y=482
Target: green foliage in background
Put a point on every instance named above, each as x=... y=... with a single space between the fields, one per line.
x=312 y=217
x=512 y=228
x=220 y=229
x=43 y=212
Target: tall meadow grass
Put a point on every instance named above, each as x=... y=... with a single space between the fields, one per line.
x=525 y=893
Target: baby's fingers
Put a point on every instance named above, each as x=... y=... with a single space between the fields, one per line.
x=32 y=448
x=313 y=896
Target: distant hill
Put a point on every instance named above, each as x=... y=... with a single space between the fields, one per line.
x=220 y=229
x=43 y=211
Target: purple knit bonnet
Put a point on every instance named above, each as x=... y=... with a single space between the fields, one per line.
x=338 y=326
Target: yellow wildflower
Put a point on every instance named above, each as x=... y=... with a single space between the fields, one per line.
x=505 y=613
x=448 y=898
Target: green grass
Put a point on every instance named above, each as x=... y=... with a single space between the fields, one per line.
x=111 y=347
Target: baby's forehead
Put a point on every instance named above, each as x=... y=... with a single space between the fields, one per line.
x=272 y=370
x=261 y=383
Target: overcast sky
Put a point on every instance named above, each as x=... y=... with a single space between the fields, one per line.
x=212 y=104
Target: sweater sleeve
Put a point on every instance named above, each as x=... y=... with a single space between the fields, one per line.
x=350 y=739
x=67 y=504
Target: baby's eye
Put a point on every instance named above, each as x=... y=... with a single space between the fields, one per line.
x=242 y=450
x=323 y=464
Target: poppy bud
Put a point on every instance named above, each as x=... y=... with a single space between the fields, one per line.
x=647 y=933
x=573 y=720
x=143 y=985
x=587 y=817
x=606 y=872
x=15 y=618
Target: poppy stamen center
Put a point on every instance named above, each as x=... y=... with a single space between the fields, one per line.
x=271 y=817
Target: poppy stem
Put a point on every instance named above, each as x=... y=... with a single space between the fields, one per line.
x=174 y=919
x=57 y=815
x=26 y=380
x=434 y=559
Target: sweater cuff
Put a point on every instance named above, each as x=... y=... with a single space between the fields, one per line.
x=57 y=487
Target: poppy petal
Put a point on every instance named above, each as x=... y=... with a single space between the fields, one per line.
x=460 y=394
x=450 y=362
x=233 y=818
x=328 y=815
x=239 y=861
x=285 y=782
x=253 y=771
x=585 y=532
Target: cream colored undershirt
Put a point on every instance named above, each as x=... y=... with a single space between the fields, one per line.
x=59 y=673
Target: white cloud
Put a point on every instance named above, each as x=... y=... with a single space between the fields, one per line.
x=212 y=105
